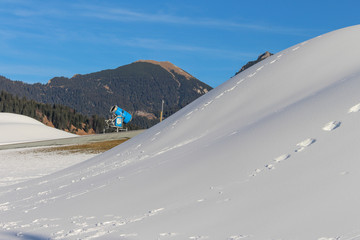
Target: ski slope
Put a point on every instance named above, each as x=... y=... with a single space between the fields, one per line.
x=270 y=154
x=16 y=128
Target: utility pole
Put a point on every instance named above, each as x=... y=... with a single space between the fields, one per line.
x=162 y=110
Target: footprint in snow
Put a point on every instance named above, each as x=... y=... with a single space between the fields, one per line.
x=174 y=124
x=220 y=95
x=125 y=235
x=270 y=166
x=251 y=75
x=282 y=158
x=331 y=126
x=256 y=172
x=189 y=113
x=170 y=234
x=302 y=145
x=329 y=238
x=240 y=81
x=237 y=237
x=230 y=89
x=276 y=59
x=355 y=108
x=207 y=104
x=198 y=237
x=155 y=211
x=260 y=68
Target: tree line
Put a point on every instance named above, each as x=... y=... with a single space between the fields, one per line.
x=62 y=117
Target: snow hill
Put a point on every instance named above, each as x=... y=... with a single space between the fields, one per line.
x=16 y=128
x=270 y=154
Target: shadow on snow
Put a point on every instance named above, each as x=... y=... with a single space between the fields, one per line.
x=21 y=235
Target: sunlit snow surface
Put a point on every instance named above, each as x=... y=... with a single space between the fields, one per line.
x=16 y=128
x=270 y=154
x=20 y=165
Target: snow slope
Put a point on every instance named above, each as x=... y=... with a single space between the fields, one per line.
x=270 y=154
x=16 y=128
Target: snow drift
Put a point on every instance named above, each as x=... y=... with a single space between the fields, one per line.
x=16 y=128
x=270 y=154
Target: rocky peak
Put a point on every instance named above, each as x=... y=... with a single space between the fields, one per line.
x=168 y=66
x=259 y=59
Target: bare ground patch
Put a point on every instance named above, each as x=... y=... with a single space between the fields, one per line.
x=93 y=148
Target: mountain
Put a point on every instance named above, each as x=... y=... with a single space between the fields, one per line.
x=270 y=154
x=138 y=87
x=251 y=63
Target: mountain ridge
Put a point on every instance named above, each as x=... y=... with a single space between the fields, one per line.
x=169 y=67
x=137 y=87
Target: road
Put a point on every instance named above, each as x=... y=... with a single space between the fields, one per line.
x=75 y=140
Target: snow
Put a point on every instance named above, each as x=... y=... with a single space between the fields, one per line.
x=282 y=157
x=355 y=108
x=331 y=125
x=16 y=128
x=270 y=154
x=20 y=165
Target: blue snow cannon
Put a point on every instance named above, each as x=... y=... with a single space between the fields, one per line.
x=122 y=115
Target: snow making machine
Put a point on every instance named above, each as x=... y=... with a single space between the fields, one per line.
x=118 y=119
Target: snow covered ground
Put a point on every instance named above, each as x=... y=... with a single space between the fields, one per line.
x=20 y=165
x=16 y=128
x=270 y=154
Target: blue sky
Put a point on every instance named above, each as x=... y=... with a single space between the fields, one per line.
x=209 y=39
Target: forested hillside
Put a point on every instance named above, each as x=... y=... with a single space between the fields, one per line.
x=139 y=88
x=53 y=115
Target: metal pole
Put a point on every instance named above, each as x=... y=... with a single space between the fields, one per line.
x=162 y=110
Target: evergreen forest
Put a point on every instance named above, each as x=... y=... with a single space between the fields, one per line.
x=56 y=115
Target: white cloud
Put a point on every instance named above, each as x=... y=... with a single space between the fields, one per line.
x=165 y=45
x=126 y=15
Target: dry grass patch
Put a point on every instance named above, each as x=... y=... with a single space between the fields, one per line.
x=96 y=147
